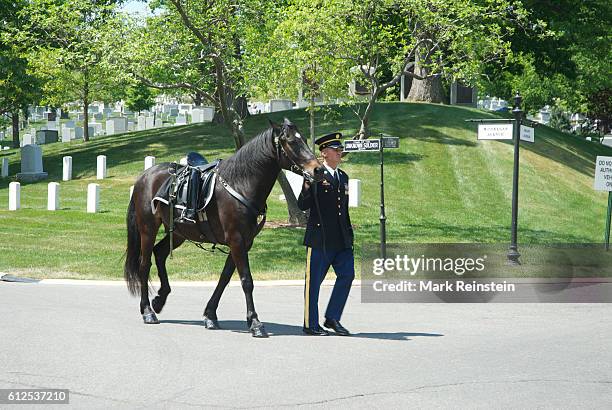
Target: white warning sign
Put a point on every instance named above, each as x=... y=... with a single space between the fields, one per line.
x=603 y=174
x=494 y=131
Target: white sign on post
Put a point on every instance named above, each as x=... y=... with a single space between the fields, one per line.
x=603 y=174
x=527 y=134
x=362 y=145
x=495 y=131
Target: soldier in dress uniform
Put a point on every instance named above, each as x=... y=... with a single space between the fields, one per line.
x=328 y=238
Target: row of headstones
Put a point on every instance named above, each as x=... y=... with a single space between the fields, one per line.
x=100 y=166
x=93 y=190
x=53 y=199
x=68 y=131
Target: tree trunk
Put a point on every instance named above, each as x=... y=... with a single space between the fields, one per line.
x=15 y=118
x=364 y=131
x=197 y=99
x=241 y=106
x=296 y=215
x=427 y=90
x=85 y=112
x=312 y=121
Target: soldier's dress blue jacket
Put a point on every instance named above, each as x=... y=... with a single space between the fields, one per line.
x=329 y=241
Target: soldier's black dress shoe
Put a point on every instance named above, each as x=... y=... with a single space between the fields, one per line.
x=319 y=331
x=336 y=327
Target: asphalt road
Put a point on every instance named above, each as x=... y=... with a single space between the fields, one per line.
x=91 y=340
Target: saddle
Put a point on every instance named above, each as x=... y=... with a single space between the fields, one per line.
x=189 y=189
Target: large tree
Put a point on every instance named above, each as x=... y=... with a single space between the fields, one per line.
x=67 y=40
x=18 y=87
x=423 y=39
x=197 y=47
x=562 y=58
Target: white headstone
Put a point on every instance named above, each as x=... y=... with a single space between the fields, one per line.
x=93 y=198
x=31 y=164
x=149 y=122
x=67 y=168
x=116 y=125
x=158 y=123
x=280 y=105
x=196 y=115
x=141 y=123
x=101 y=167
x=14 y=196
x=354 y=192
x=78 y=132
x=68 y=134
x=181 y=120
x=53 y=196
x=52 y=125
x=296 y=181
x=27 y=140
x=5 y=163
x=149 y=162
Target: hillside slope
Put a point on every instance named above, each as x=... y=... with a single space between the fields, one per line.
x=442 y=185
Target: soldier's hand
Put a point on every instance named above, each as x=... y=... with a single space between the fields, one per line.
x=306 y=185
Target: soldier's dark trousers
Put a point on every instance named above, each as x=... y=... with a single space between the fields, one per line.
x=317 y=265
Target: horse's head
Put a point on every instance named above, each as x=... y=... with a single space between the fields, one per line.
x=293 y=152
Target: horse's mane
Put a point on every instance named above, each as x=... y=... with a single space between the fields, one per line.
x=251 y=160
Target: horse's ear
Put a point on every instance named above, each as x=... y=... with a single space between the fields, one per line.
x=275 y=126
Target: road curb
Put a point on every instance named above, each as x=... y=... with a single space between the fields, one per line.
x=206 y=284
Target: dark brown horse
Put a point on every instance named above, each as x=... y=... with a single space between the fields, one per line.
x=251 y=172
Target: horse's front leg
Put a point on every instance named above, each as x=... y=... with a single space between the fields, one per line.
x=161 y=252
x=241 y=259
x=210 y=312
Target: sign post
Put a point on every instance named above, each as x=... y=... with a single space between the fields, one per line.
x=603 y=182
x=371 y=145
x=509 y=129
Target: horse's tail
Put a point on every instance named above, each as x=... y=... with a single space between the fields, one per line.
x=132 y=258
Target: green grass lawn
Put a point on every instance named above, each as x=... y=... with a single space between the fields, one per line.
x=441 y=185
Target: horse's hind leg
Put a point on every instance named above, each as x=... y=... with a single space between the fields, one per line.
x=146 y=248
x=210 y=312
x=161 y=252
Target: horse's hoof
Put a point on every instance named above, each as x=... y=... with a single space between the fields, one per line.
x=211 y=324
x=149 y=317
x=259 y=331
x=157 y=304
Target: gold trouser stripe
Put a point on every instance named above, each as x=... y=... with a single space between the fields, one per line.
x=307 y=288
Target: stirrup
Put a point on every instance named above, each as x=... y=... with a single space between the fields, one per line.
x=184 y=218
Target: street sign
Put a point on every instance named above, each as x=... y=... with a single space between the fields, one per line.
x=527 y=134
x=603 y=173
x=495 y=131
x=362 y=145
x=390 y=142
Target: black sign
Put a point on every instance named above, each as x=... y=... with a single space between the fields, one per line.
x=361 y=145
x=390 y=142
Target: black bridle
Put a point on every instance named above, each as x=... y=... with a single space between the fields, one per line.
x=280 y=151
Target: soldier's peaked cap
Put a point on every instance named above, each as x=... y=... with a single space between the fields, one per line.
x=332 y=140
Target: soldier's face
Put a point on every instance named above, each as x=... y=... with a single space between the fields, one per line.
x=332 y=156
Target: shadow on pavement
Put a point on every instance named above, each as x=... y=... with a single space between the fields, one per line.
x=280 y=329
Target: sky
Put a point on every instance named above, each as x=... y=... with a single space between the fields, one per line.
x=137 y=7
